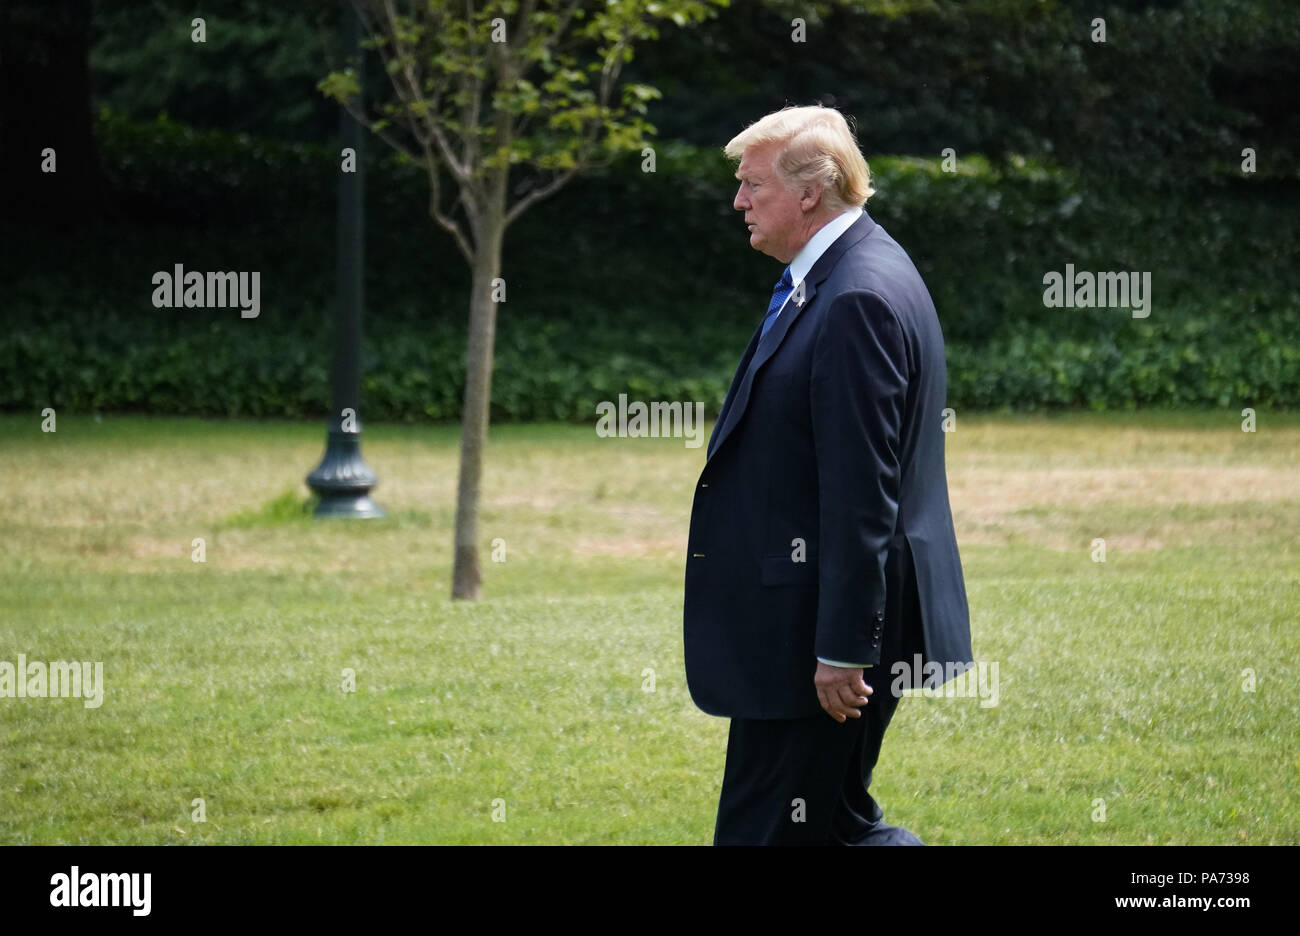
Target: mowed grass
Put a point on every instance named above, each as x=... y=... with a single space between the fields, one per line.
x=1123 y=681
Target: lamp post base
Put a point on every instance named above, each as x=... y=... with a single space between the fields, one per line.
x=343 y=480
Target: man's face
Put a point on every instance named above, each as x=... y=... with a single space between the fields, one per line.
x=772 y=211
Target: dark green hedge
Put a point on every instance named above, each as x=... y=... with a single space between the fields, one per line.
x=559 y=370
x=626 y=282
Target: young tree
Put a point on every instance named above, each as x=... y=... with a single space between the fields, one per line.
x=503 y=101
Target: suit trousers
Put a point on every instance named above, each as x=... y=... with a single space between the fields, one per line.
x=805 y=781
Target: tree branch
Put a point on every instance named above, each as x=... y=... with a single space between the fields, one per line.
x=369 y=124
x=447 y=222
x=537 y=194
x=416 y=95
x=562 y=26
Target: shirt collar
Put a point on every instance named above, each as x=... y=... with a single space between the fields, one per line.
x=819 y=242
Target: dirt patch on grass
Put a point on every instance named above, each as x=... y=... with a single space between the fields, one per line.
x=1132 y=508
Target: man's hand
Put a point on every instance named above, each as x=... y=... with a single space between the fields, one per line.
x=842 y=690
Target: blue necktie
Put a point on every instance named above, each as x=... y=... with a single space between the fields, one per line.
x=779 y=293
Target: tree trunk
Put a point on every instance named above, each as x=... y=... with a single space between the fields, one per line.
x=466 y=572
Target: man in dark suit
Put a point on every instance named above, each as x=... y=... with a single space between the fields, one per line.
x=821 y=548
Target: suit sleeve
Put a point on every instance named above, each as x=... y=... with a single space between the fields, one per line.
x=858 y=389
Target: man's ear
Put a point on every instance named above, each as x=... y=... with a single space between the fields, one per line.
x=811 y=198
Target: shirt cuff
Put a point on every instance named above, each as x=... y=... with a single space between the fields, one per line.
x=846 y=665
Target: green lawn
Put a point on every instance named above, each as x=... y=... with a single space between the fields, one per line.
x=1120 y=681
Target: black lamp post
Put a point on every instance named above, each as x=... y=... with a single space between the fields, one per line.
x=343 y=479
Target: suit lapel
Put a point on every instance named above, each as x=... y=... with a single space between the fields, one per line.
x=761 y=350
x=736 y=381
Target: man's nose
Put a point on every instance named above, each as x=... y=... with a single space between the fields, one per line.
x=740 y=203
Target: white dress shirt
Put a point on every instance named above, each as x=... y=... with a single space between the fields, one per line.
x=812 y=251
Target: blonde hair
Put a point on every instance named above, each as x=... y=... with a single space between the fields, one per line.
x=817 y=146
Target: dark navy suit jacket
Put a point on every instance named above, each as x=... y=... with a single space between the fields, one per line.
x=830 y=436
